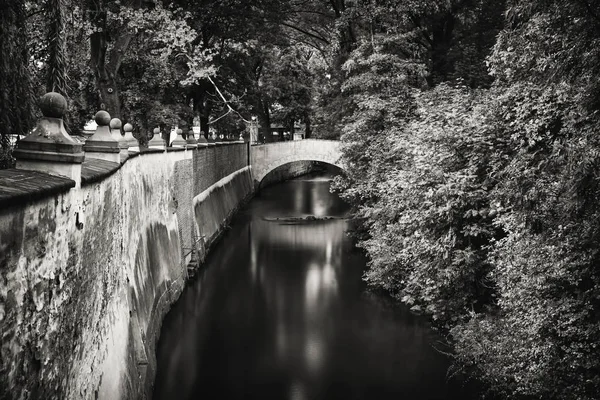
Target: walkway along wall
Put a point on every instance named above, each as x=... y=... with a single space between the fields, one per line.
x=87 y=273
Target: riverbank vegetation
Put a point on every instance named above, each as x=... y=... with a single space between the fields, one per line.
x=478 y=183
x=469 y=130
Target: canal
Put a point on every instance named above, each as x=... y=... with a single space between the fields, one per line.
x=279 y=311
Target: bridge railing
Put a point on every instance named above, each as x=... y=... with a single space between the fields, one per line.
x=294 y=141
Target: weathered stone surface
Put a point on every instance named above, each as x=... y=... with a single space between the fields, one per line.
x=49 y=141
x=86 y=276
x=53 y=105
x=49 y=148
x=102 y=118
x=94 y=170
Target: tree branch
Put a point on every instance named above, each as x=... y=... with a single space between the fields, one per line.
x=225 y=101
x=305 y=32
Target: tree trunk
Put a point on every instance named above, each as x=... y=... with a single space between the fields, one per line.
x=291 y=129
x=442 y=35
x=57 y=68
x=109 y=96
x=264 y=122
x=106 y=65
x=202 y=105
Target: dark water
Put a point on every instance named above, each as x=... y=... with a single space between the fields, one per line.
x=280 y=312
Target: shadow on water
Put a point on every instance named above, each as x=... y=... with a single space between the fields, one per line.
x=280 y=312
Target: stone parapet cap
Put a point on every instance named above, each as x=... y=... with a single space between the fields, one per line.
x=94 y=170
x=171 y=149
x=145 y=150
x=19 y=186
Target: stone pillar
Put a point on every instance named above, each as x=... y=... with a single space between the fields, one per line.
x=49 y=148
x=211 y=138
x=179 y=141
x=132 y=143
x=115 y=132
x=157 y=142
x=191 y=138
x=102 y=145
x=202 y=139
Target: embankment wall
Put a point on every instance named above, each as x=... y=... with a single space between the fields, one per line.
x=87 y=274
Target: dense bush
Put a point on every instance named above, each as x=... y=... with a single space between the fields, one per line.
x=480 y=206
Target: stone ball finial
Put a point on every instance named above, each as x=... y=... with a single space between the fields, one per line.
x=115 y=123
x=53 y=105
x=156 y=131
x=102 y=118
x=179 y=131
x=128 y=127
x=191 y=132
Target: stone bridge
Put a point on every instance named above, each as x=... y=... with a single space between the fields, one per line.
x=267 y=157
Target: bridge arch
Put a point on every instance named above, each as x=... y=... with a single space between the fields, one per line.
x=265 y=158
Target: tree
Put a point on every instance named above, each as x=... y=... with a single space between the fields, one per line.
x=479 y=206
x=542 y=342
x=16 y=116
x=57 y=69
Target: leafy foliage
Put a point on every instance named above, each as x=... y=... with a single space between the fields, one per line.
x=480 y=205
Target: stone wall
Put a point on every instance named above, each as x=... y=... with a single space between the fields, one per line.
x=87 y=274
x=216 y=162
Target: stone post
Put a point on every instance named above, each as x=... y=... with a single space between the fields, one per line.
x=211 y=137
x=102 y=145
x=49 y=148
x=115 y=132
x=191 y=138
x=132 y=143
x=179 y=141
x=157 y=142
x=202 y=139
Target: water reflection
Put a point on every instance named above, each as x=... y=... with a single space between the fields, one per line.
x=281 y=313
